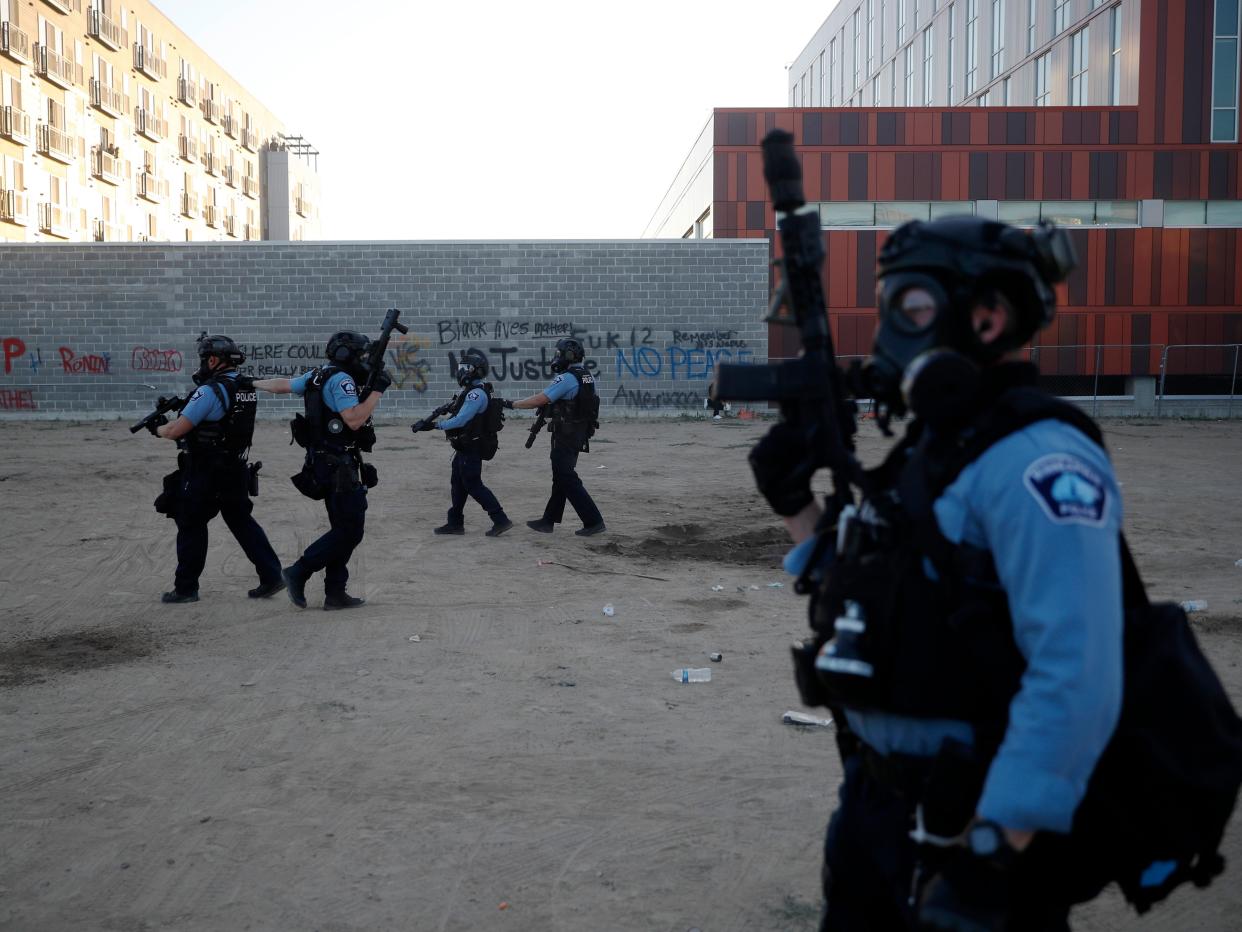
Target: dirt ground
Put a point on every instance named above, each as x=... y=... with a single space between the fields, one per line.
x=527 y=762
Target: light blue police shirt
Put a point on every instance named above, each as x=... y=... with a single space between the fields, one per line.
x=339 y=391
x=207 y=403
x=1044 y=502
x=476 y=402
x=563 y=386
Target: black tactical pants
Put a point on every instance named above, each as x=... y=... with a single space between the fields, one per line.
x=467 y=482
x=209 y=488
x=869 y=863
x=566 y=486
x=346 y=503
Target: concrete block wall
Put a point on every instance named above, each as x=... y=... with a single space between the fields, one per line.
x=98 y=330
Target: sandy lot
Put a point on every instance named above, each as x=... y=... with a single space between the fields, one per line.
x=528 y=763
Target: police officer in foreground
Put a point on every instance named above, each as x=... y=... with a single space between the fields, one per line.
x=335 y=431
x=214 y=432
x=471 y=428
x=969 y=609
x=573 y=408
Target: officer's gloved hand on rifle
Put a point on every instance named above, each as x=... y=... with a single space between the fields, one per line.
x=506 y=403
x=154 y=425
x=424 y=423
x=970 y=893
x=383 y=382
x=783 y=468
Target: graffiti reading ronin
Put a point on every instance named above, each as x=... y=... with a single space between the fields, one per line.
x=408 y=370
x=85 y=364
x=148 y=359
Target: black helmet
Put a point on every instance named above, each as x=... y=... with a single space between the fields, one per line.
x=345 y=348
x=471 y=366
x=217 y=347
x=568 y=352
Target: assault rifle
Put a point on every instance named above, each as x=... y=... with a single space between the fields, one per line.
x=810 y=389
x=428 y=422
x=374 y=361
x=541 y=418
x=162 y=406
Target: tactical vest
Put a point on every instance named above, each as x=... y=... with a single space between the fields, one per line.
x=325 y=429
x=478 y=435
x=578 y=415
x=232 y=434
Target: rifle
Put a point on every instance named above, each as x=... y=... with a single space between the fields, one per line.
x=810 y=389
x=541 y=418
x=428 y=422
x=374 y=362
x=162 y=406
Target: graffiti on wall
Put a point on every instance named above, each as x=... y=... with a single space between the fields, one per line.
x=76 y=363
x=17 y=399
x=150 y=359
x=407 y=368
x=279 y=360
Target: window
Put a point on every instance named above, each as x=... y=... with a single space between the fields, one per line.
x=1069 y=213
x=972 y=46
x=951 y=209
x=881 y=30
x=1078 y=68
x=1114 y=56
x=909 y=72
x=1225 y=73
x=1030 y=27
x=857 y=49
x=892 y=213
x=1043 y=98
x=832 y=71
x=802 y=92
x=793 y=96
x=952 y=59
x=901 y=21
x=870 y=36
x=822 y=100
x=887 y=214
x=928 y=48
x=875 y=91
x=1202 y=213
x=847 y=214
x=1005 y=93
x=1059 y=10
x=812 y=91
x=998 y=36
x=843 y=97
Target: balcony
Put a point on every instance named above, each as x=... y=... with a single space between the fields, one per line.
x=15 y=125
x=230 y=225
x=65 y=6
x=211 y=110
x=104 y=232
x=211 y=164
x=152 y=189
x=189 y=148
x=250 y=186
x=106 y=166
x=148 y=124
x=106 y=30
x=148 y=63
x=248 y=140
x=229 y=125
x=229 y=174
x=56 y=68
x=210 y=216
x=14 y=207
x=14 y=43
x=54 y=143
x=108 y=99
x=187 y=92
x=189 y=204
x=55 y=219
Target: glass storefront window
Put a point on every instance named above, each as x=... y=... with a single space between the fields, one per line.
x=892 y=213
x=1117 y=213
x=847 y=214
x=1022 y=213
x=952 y=209
x=1185 y=213
x=1224 y=213
x=1068 y=213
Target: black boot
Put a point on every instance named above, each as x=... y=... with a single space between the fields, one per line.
x=450 y=529
x=543 y=525
x=296 y=585
x=177 y=598
x=267 y=589
x=339 y=600
x=498 y=528
x=591 y=530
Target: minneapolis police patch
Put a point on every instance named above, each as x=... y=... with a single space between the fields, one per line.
x=1067 y=489
x=348 y=387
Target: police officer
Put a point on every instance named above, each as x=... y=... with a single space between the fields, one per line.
x=214 y=432
x=471 y=430
x=573 y=407
x=968 y=611
x=335 y=431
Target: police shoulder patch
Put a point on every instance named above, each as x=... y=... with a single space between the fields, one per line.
x=348 y=386
x=1068 y=490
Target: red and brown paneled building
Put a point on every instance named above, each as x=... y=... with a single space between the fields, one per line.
x=1122 y=125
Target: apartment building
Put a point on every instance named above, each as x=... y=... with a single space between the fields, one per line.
x=115 y=126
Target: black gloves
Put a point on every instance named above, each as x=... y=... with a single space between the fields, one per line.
x=971 y=893
x=426 y=423
x=382 y=382
x=155 y=424
x=506 y=404
x=783 y=467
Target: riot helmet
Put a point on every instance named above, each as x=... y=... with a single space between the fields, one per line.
x=568 y=352
x=471 y=367
x=931 y=275
x=346 y=348
x=220 y=348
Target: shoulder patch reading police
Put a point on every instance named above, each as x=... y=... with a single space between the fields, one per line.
x=348 y=387
x=1067 y=489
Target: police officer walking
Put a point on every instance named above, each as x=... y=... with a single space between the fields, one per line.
x=573 y=408
x=969 y=624
x=471 y=428
x=335 y=431
x=214 y=431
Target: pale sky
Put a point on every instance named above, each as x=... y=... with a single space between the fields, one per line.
x=547 y=119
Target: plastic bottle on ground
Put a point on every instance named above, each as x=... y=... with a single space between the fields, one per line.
x=693 y=675
x=1194 y=605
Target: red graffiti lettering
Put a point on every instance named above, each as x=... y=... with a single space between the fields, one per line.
x=13 y=348
x=89 y=364
x=146 y=359
x=17 y=399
